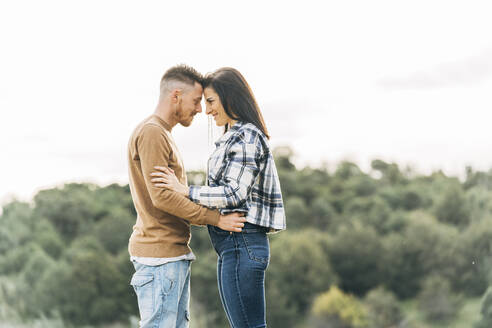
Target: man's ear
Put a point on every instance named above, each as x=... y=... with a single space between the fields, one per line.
x=175 y=95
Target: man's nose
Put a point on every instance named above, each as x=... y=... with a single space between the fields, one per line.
x=199 y=108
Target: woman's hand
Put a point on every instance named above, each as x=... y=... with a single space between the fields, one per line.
x=165 y=178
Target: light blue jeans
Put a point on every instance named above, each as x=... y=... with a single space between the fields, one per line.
x=163 y=294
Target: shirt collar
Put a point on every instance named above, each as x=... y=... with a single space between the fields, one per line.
x=229 y=132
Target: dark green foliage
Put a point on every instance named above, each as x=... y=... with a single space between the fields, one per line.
x=296 y=208
x=15 y=226
x=362 y=185
x=474 y=255
x=200 y=240
x=479 y=202
x=68 y=209
x=323 y=214
x=66 y=252
x=126 y=270
x=390 y=173
x=114 y=230
x=346 y=170
x=14 y=261
x=451 y=207
x=372 y=211
x=436 y=300
x=37 y=264
x=486 y=311
x=204 y=287
x=477 y=179
x=73 y=208
x=407 y=197
x=57 y=252
x=383 y=309
x=88 y=288
x=46 y=236
x=355 y=254
x=424 y=247
x=300 y=258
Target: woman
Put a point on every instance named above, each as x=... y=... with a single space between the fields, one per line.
x=242 y=177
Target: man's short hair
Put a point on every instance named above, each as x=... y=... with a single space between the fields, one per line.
x=181 y=74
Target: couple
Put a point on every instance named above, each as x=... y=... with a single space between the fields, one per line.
x=240 y=204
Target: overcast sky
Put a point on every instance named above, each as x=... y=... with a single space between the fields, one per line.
x=409 y=82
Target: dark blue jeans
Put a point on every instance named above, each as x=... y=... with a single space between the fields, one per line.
x=242 y=260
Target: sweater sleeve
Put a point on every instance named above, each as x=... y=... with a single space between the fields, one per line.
x=154 y=149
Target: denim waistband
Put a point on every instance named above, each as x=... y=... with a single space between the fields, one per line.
x=248 y=228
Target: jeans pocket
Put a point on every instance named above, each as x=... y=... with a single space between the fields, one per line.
x=219 y=238
x=257 y=246
x=143 y=284
x=167 y=286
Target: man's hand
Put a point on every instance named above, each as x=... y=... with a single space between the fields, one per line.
x=232 y=222
x=165 y=177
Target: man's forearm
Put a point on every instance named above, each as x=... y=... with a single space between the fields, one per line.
x=175 y=204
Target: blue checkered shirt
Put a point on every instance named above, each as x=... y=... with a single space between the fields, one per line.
x=243 y=178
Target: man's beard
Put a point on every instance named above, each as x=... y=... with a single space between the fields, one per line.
x=186 y=123
x=184 y=120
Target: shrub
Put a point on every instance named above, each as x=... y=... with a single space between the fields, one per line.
x=339 y=309
x=436 y=300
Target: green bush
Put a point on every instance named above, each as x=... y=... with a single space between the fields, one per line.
x=486 y=311
x=15 y=226
x=114 y=230
x=339 y=310
x=474 y=250
x=298 y=257
x=452 y=207
x=355 y=255
x=15 y=260
x=204 y=290
x=437 y=301
x=424 y=247
x=67 y=252
x=383 y=309
x=299 y=213
x=46 y=236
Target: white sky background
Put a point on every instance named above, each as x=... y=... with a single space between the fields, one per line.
x=409 y=82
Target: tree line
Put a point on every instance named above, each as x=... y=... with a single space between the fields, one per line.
x=358 y=245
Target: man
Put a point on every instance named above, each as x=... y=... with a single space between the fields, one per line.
x=159 y=245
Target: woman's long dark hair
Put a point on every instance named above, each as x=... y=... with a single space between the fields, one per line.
x=236 y=97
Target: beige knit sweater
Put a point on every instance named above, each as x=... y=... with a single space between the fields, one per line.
x=163 y=221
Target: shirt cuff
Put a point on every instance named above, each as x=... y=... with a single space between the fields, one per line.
x=194 y=193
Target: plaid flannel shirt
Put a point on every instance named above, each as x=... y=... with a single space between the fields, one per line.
x=243 y=178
